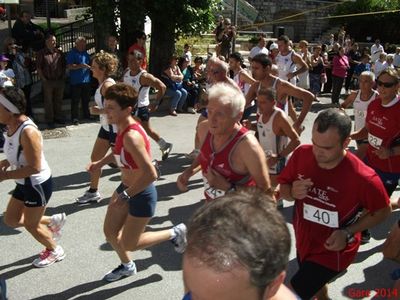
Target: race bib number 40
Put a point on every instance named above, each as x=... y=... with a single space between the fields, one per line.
x=321 y=216
x=211 y=192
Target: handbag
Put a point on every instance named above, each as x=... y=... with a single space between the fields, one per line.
x=391 y=246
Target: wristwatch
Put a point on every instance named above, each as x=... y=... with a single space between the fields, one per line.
x=124 y=196
x=349 y=235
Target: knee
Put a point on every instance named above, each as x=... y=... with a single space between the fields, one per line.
x=10 y=221
x=32 y=227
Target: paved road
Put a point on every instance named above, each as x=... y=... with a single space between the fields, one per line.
x=159 y=277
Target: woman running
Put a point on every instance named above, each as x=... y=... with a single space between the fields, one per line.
x=26 y=164
x=133 y=203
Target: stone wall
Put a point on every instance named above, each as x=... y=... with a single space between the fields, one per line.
x=307 y=26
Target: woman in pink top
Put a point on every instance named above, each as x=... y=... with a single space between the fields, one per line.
x=339 y=73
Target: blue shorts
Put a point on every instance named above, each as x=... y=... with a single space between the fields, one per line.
x=110 y=136
x=143 y=204
x=34 y=195
x=142 y=113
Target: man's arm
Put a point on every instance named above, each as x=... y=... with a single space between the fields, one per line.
x=288 y=131
x=360 y=135
x=299 y=62
x=252 y=93
x=148 y=79
x=349 y=100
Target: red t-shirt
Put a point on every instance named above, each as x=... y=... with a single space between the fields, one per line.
x=221 y=163
x=332 y=202
x=122 y=157
x=383 y=128
x=143 y=51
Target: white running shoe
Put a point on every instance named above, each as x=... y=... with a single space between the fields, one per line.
x=166 y=150
x=119 y=272
x=88 y=197
x=179 y=240
x=48 y=257
x=56 y=224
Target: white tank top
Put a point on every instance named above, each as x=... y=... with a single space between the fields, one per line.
x=280 y=103
x=99 y=99
x=244 y=86
x=286 y=65
x=143 y=91
x=271 y=143
x=16 y=156
x=360 y=109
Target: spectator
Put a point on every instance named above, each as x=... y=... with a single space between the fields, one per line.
x=112 y=48
x=7 y=76
x=380 y=64
x=19 y=62
x=339 y=71
x=273 y=52
x=396 y=58
x=304 y=78
x=140 y=45
x=238 y=258
x=187 y=53
x=328 y=68
x=172 y=77
x=51 y=68
x=259 y=48
x=389 y=61
x=189 y=84
x=27 y=34
x=354 y=57
x=363 y=66
x=219 y=30
x=198 y=70
x=316 y=71
x=78 y=64
x=376 y=51
x=227 y=39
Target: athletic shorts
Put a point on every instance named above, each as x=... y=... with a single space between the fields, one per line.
x=310 y=278
x=142 y=113
x=34 y=195
x=110 y=136
x=389 y=180
x=142 y=204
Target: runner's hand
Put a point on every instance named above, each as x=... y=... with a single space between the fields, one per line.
x=300 y=188
x=336 y=241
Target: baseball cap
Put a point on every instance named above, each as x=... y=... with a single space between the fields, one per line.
x=273 y=46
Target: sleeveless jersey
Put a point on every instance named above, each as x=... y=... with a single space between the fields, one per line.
x=16 y=156
x=99 y=99
x=143 y=91
x=271 y=143
x=221 y=162
x=244 y=86
x=286 y=65
x=123 y=158
x=280 y=103
x=360 y=109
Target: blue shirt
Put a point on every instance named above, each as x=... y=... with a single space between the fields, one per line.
x=79 y=75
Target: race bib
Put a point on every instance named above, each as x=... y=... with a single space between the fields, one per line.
x=211 y=192
x=374 y=141
x=321 y=216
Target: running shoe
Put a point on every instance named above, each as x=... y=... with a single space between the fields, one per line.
x=120 y=272
x=48 y=257
x=179 y=240
x=56 y=224
x=166 y=150
x=365 y=236
x=88 y=197
x=157 y=166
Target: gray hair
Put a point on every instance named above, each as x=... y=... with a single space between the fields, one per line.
x=219 y=63
x=79 y=39
x=227 y=94
x=368 y=74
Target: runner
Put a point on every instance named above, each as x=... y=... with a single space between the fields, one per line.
x=103 y=66
x=133 y=203
x=141 y=81
x=25 y=163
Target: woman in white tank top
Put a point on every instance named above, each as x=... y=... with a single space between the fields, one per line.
x=25 y=163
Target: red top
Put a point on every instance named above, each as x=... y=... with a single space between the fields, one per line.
x=143 y=51
x=122 y=157
x=221 y=163
x=383 y=128
x=332 y=202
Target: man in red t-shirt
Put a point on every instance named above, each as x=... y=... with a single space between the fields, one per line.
x=330 y=187
x=140 y=45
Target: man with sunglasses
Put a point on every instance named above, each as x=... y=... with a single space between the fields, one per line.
x=382 y=129
x=140 y=45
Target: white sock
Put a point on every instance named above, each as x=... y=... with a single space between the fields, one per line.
x=173 y=233
x=128 y=264
x=162 y=143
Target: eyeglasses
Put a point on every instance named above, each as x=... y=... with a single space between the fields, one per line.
x=386 y=84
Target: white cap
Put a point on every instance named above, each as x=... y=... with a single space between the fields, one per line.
x=273 y=46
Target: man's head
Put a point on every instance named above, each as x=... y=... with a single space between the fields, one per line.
x=135 y=60
x=260 y=66
x=50 y=41
x=238 y=248
x=330 y=136
x=366 y=58
x=262 y=42
x=25 y=16
x=377 y=42
x=235 y=61
x=80 y=43
x=216 y=70
x=140 y=37
x=283 y=43
x=112 y=42
x=366 y=81
x=303 y=45
x=265 y=100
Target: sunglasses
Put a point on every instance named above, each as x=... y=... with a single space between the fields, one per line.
x=386 y=84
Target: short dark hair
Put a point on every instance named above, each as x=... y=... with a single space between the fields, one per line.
x=138 y=34
x=284 y=38
x=245 y=229
x=122 y=93
x=16 y=96
x=334 y=118
x=268 y=93
x=198 y=59
x=236 y=56
x=262 y=59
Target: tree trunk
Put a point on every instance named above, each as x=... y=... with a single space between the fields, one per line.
x=162 y=45
x=104 y=21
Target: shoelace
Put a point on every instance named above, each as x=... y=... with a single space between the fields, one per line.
x=44 y=254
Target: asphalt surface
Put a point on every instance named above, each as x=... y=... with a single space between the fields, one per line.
x=88 y=258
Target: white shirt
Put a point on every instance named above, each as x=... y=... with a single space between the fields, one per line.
x=375 y=51
x=257 y=50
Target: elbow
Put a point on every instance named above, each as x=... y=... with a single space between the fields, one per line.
x=296 y=143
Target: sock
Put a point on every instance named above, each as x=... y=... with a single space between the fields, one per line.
x=162 y=143
x=128 y=264
x=173 y=233
x=91 y=190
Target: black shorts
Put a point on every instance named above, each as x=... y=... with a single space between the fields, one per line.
x=34 y=195
x=110 y=136
x=142 y=204
x=142 y=113
x=310 y=278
